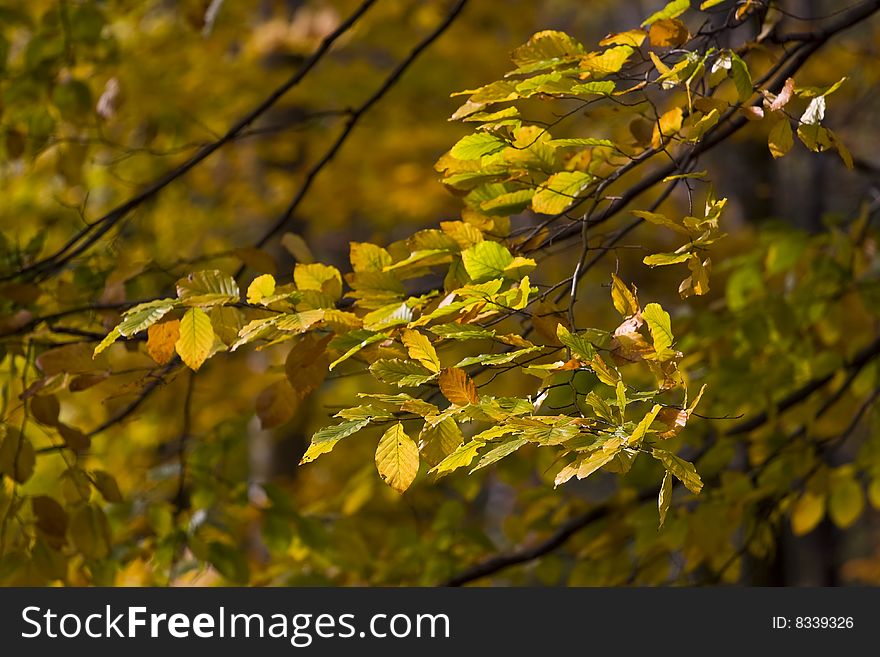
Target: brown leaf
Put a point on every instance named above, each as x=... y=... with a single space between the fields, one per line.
x=307 y=364
x=74 y=438
x=161 y=339
x=51 y=517
x=17 y=456
x=674 y=419
x=106 y=484
x=276 y=404
x=458 y=387
x=86 y=381
x=69 y=358
x=45 y=409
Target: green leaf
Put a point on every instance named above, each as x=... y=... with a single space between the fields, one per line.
x=663 y=259
x=600 y=407
x=708 y=4
x=397 y=458
x=142 y=316
x=665 y=496
x=365 y=412
x=583 y=141
x=671 y=10
x=261 y=287
x=620 y=394
x=485 y=261
x=498 y=452
x=509 y=203
x=683 y=470
x=108 y=340
x=325 y=439
x=475 y=146
x=393 y=314
x=498 y=359
x=460 y=458
x=546 y=49
x=229 y=561
x=368 y=257
x=353 y=342
x=739 y=71
x=580 y=346
x=207 y=288
x=560 y=191
x=401 y=372
x=196 y=338
x=644 y=424
x=598 y=87
x=659 y=325
x=462 y=331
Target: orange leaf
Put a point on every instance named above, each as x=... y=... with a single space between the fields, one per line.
x=161 y=339
x=668 y=33
x=458 y=387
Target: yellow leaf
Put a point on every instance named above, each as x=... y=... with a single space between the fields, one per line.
x=807 y=513
x=642 y=428
x=611 y=60
x=846 y=501
x=322 y=278
x=633 y=38
x=420 y=348
x=624 y=299
x=368 y=257
x=665 y=496
x=439 y=441
x=196 y=338
x=667 y=126
x=397 y=458
x=781 y=138
x=260 y=287
x=606 y=374
x=161 y=339
x=874 y=493
x=297 y=247
x=458 y=387
x=90 y=531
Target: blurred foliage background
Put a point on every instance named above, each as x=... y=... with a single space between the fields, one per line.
x=99 y=99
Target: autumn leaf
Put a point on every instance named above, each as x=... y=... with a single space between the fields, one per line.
x=397 y=458
x=458 y=387
x=196 y=338
x=161 y=340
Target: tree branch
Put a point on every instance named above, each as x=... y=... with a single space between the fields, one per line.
x=353 y=119
x=89 y=235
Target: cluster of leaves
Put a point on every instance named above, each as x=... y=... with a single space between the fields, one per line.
x=457 y=340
